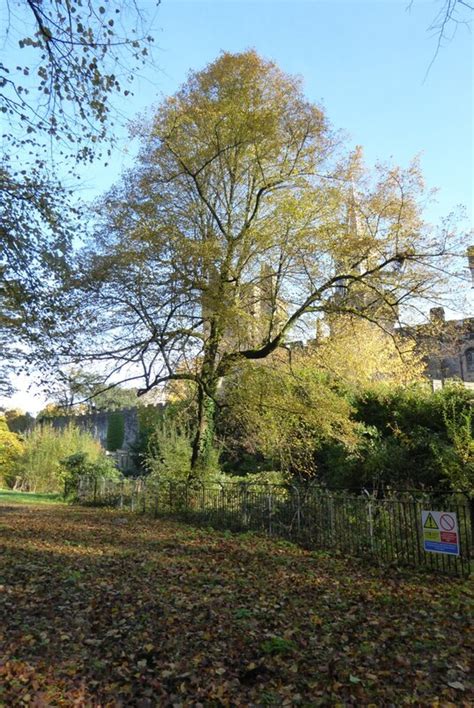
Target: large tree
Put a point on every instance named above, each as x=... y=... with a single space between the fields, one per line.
x=242 y=223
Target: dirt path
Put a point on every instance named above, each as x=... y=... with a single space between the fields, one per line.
x=102 y=609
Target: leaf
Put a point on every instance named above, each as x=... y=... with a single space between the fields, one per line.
x=457 y=685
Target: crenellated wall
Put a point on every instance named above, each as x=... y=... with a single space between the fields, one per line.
x=97 y=423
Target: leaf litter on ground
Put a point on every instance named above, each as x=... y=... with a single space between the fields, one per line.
x=98 y=612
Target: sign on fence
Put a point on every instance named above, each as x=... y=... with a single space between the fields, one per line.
x=440 y=532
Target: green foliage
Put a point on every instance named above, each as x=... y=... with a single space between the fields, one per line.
x=277 y=646
x=284 y=413
x=456 y=459
x=115 y=431
x=113 y=399
x=149 y=419
x=206 y=452
x=40 y=468
x=169 y=456
x=170 y=449
x=79 y=465
x=408 y=437
x=18 y=421
x=300 y=421
x=258 y=480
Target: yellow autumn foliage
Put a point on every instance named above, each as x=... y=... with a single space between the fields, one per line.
x=11 y=447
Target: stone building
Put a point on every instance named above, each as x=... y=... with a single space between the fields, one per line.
x=448 y=345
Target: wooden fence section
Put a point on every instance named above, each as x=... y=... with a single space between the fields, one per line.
x=387 y=529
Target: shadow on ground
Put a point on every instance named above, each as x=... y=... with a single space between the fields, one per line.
x=101 y=608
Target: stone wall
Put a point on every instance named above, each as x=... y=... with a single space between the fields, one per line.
x=97 y=423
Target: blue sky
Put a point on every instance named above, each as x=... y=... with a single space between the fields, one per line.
x=365 y=62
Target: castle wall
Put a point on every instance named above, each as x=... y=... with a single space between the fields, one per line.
x=97 y=423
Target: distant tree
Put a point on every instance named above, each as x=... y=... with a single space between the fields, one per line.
x=79 y=392
x=18 y=421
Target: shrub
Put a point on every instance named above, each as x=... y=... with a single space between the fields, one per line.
x=408 y=437
x=40 y=467
x=170 y=449
x=79 y=465
x=149 y=419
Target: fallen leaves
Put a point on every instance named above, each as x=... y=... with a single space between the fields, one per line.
x=99 y=612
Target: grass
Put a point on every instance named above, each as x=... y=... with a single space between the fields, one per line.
x=103 y=608
x=8 y=496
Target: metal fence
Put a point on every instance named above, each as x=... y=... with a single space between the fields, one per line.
x=386 y=528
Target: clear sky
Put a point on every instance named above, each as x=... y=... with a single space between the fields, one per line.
x=365 y=62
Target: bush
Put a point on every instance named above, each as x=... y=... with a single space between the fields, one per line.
x=41 y=468
x=79 y=465
x=258 y=480
x=407 y=438
x=149 y=419
x=170 y=450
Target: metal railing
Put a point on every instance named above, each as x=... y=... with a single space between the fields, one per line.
x=387 y=528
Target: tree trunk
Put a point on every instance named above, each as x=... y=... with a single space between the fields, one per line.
x=203 y=443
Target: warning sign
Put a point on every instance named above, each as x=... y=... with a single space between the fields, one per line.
x=440 y=532
x=430 y=523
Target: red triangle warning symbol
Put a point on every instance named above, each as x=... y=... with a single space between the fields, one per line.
x=430 y=523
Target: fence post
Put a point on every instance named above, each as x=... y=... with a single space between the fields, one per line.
x=245 y=515
x=144 y=497
x=298 y=510
x=471 y=517
x=371 y=519
x=270 y=513
x=157 y=493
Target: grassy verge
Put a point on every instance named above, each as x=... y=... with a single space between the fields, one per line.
x=8 y=496
x=105 y=608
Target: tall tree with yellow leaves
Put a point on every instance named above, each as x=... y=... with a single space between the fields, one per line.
x=235 y=231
